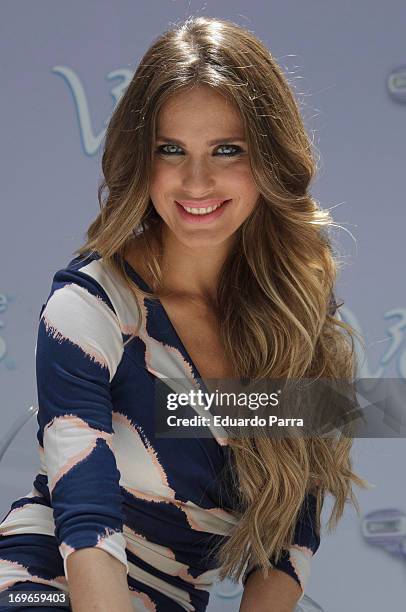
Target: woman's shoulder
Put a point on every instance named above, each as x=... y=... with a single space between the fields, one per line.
x=79 y=311
x=86 y=291
x=89 y=272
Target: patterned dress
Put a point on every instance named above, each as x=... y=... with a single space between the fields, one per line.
x=156 y=504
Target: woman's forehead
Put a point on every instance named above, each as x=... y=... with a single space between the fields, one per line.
x=202 y=109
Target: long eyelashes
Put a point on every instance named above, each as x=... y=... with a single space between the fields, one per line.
x=237 y=150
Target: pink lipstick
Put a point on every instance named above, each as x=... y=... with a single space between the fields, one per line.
x=201 y=209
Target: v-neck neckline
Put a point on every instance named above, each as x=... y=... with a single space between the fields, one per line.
x=181 y=347
x=144 y=285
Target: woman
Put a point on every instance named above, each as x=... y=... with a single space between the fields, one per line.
x=209 y=259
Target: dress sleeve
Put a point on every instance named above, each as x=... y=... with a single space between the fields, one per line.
x=79 y=347
x=297 y=560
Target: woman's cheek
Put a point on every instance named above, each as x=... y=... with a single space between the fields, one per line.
x=162 y=173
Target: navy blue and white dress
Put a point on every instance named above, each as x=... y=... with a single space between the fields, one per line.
x=156 y=504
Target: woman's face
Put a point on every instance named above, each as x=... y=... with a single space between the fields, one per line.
x=201 y=160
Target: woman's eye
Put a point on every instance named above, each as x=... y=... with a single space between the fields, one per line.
x=171 y=149
x=236 y=149
x=167 y=146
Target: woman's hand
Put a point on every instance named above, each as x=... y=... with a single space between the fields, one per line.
x=97 y=581
x=279 y=592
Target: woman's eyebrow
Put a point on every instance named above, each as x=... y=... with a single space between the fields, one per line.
x=211 y=142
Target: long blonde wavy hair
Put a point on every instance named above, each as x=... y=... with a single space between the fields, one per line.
x=275 y=293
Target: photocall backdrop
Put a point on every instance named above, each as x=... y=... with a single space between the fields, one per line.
x=63 y=68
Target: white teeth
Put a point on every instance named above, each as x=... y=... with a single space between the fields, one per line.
x=202 y=211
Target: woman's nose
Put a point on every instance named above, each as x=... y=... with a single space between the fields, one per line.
x=198 y=176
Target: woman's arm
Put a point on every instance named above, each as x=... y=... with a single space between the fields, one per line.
x=97 y=582
x=286 y=581
x=279 y=592
x=79 y=348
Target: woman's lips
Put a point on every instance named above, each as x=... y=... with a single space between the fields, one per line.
x=202 y=218
x=201 y=204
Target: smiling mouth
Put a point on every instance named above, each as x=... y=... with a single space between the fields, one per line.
x=194 y=210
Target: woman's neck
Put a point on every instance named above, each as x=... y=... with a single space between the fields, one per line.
x=188 y=273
